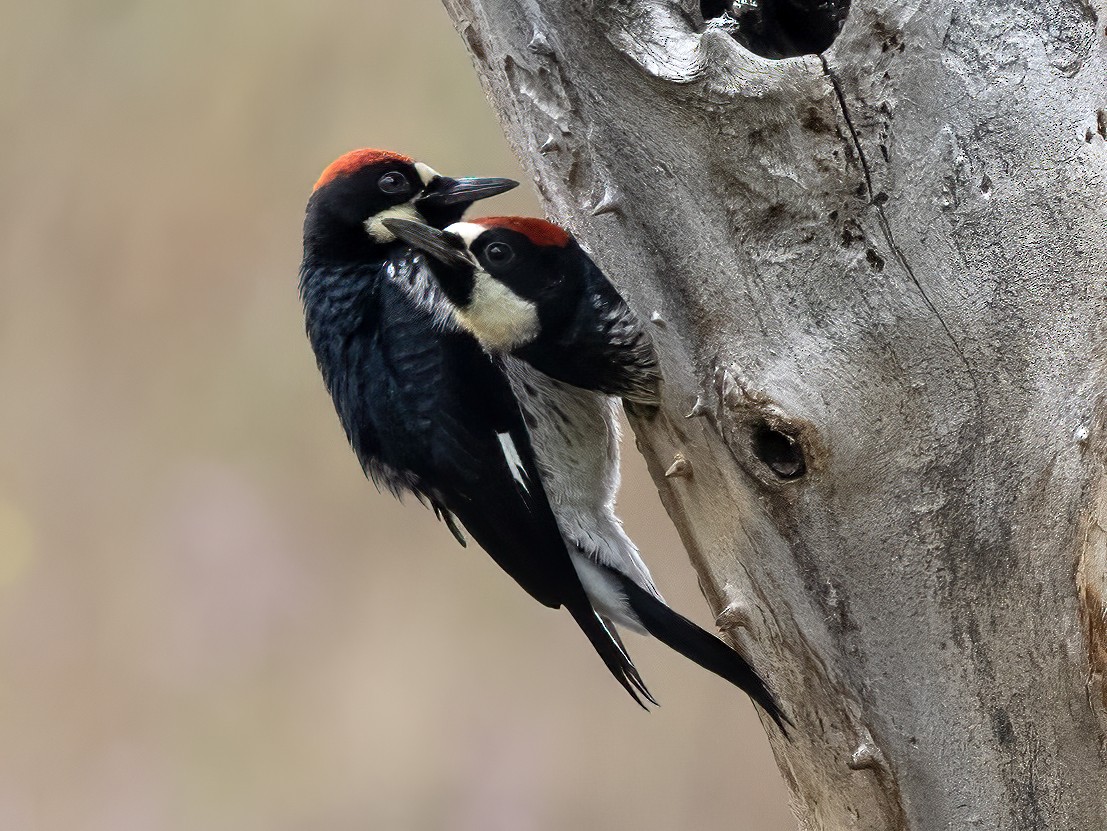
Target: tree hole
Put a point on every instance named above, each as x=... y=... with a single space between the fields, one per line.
x=780 y=28
x=779 y=452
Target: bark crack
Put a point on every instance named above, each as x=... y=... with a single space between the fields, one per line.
x=877 y=201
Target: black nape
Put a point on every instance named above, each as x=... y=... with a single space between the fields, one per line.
x=780 y=28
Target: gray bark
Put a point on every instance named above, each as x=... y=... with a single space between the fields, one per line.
x=894 y=254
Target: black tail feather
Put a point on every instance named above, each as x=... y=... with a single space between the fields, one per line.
x=677 y=632
x=632 y=671
x=610 y=649
x=443 y=513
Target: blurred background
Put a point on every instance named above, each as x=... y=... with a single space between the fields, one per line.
x=208 y=618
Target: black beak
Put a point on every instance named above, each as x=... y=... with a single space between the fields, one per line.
x=446 y=248
x=445 y=191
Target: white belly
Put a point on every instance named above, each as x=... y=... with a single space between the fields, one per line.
x=576 y=440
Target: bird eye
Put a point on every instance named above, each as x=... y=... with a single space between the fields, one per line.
x=393 y=183
x=498 y=253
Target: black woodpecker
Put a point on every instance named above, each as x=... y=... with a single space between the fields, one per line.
x=569 y=344
x=425 y=408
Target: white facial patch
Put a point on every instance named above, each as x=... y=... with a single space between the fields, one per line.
x=374 y=225
x=468 y=231
x=426 y=173
x=514 y=463
x=496 y=316
x=499 y=318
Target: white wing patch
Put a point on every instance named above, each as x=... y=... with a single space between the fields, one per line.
x=514 y=463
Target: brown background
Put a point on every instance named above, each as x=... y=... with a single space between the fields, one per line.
x=208 y=618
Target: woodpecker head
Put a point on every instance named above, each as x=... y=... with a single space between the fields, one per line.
x=359 y=190
x=508 y=278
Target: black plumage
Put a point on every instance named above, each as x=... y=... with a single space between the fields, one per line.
x=586 y=336
x=590 y=337
x=427 y=411
x=526 y=289
x=679 y=633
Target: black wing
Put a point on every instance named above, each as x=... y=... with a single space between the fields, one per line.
x=454 y=423
x=602 y=346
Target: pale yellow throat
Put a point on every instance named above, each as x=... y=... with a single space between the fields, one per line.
x=374 y=226
x=499 y=318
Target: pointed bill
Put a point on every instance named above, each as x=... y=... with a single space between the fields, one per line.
x=446 y=191
x=446 y=248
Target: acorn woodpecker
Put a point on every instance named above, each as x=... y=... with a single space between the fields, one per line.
x=425 y=408
x=569 y=342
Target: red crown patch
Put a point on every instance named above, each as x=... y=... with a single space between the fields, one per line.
x=354 y=161
x=538 y=231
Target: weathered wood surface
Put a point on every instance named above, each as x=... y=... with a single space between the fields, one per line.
x=895 y=255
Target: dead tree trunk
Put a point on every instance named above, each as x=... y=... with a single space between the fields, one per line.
x=877 y=281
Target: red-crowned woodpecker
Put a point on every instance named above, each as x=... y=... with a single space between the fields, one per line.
x=424 y=407
x=568 y=342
